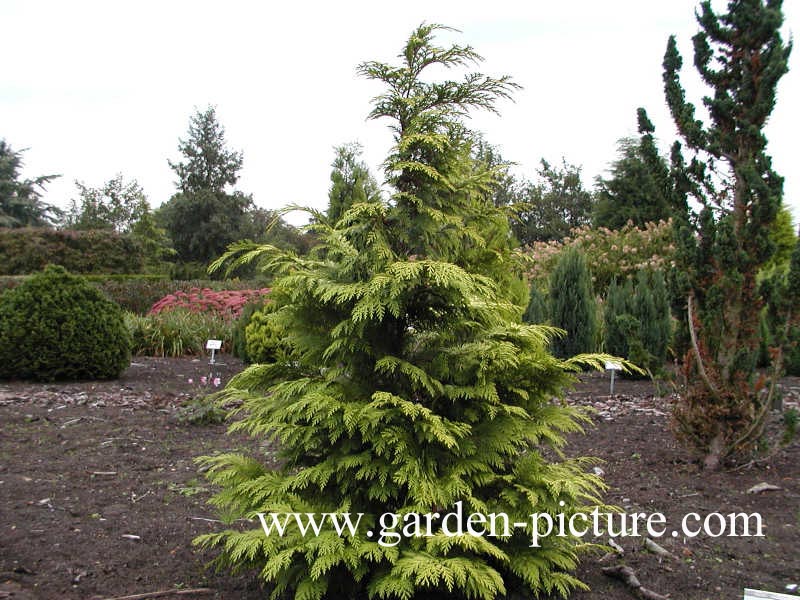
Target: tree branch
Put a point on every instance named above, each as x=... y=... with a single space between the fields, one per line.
x=693 y=335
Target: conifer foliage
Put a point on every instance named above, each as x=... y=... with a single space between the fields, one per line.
x=572 y=304
x=408 y=382
x=637 y=322
x=741 y=57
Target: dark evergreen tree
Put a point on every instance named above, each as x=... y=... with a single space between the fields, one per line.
x=208 y=165
x=203 y=218
x=572 y=304
x=740 y=55
x=20 y=199
x=202 y=224
x=651 y=309
x=409 y=383
x=615 y=336
x=661 y=325
x=536 y=311
x=640 y=188
x=637 y=321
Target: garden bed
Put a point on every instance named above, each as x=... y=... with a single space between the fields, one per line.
x=100 y=497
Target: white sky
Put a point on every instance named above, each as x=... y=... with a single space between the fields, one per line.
x=96 y=88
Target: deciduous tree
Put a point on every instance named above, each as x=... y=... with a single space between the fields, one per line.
x=115 y=205
x=556 y=203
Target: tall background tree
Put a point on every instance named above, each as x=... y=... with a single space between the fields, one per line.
x=640 y=189
x=554 y=204
x=115 y=205
x=21 y=204
x=207 y=164
x=410 y=384
x=204 y=217
x=124 y=208
x=741 y=57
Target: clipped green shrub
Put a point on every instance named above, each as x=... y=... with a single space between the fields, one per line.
x=238 y=332
x=178 y=332
x=572 y=306
x=8 y=282
x=265 y=337
x=57 y=326
x=29 y=249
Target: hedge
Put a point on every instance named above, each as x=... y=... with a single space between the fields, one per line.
x=138 y=293
x=28 y=250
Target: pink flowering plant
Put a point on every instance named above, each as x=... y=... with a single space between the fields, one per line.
x=203 y=407
x=227 y=304
x=207 y=381
x=609 y=253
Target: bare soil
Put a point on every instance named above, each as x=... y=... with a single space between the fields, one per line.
x=100 y=496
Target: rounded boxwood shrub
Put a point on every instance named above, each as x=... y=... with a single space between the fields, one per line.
x=57 y=326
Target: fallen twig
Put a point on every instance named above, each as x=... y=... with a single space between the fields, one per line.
x=135 y=498
x=616 y=546
x=656 y=549
x=163 y=593
x=627 y=576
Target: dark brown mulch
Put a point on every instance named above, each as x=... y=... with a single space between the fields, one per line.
x=83 y=467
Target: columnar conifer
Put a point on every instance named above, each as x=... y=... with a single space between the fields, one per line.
x=572 y=304
x=740 y=55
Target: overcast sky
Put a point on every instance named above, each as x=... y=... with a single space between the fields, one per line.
x=97 y=88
